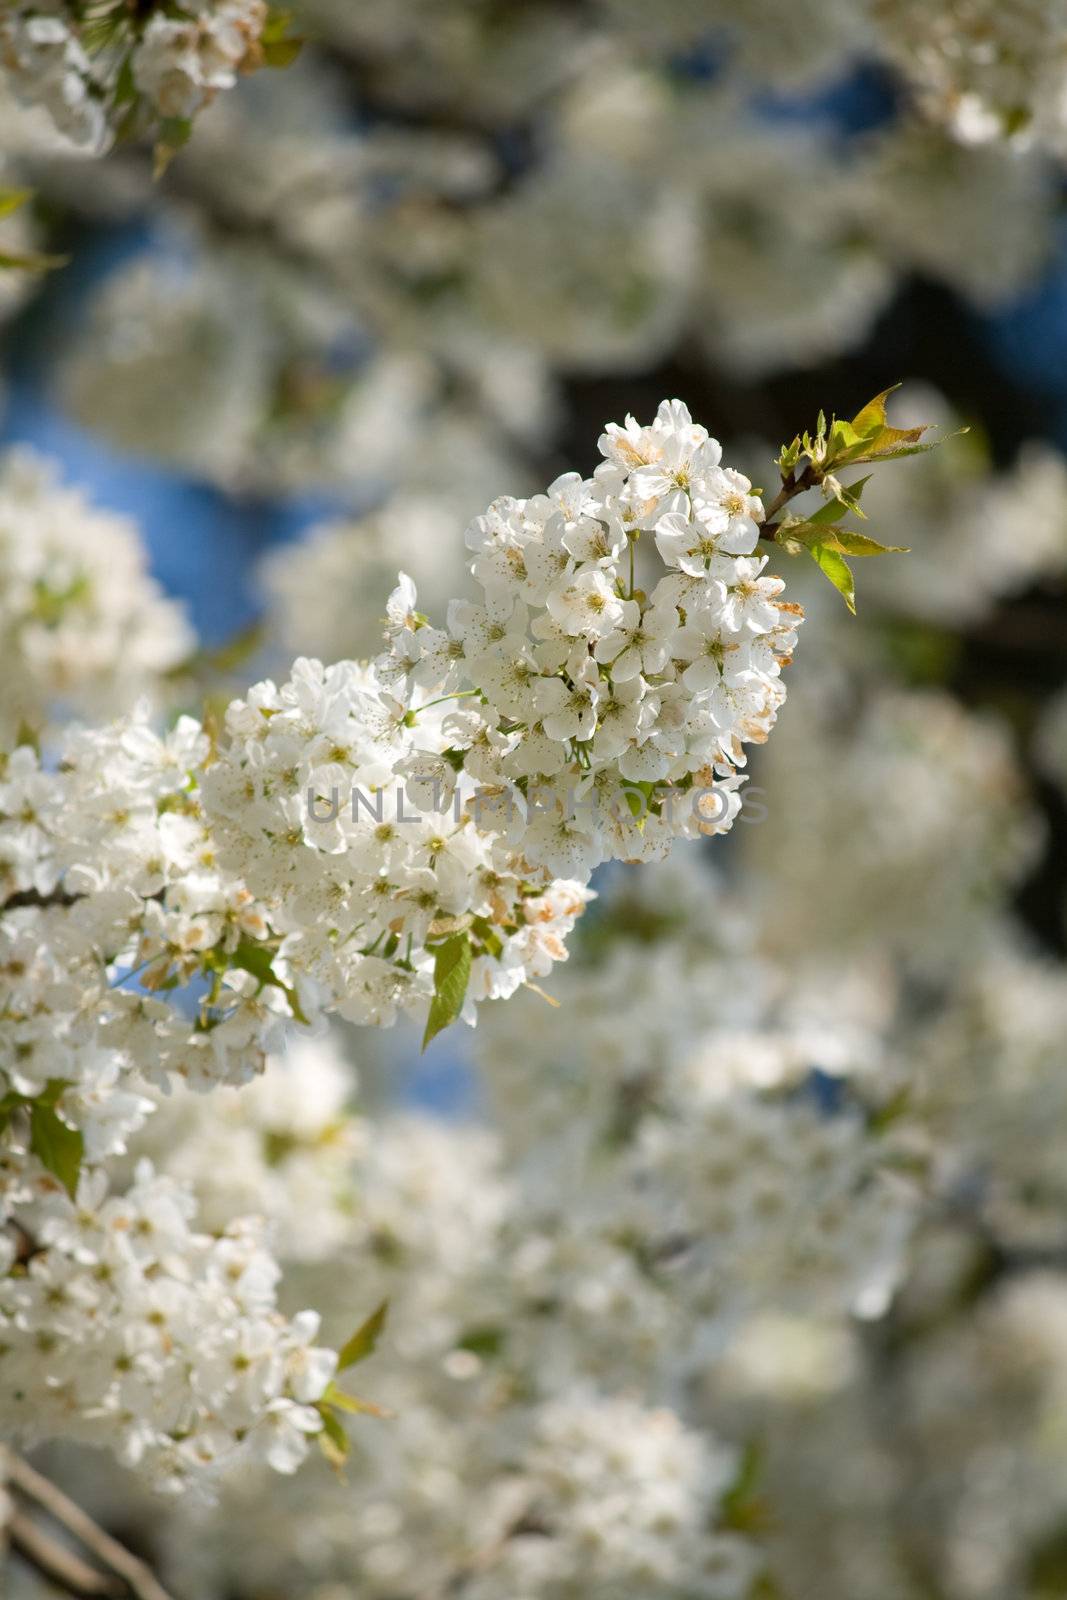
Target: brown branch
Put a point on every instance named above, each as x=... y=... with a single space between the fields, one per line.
x=55 y=1561
x=34 y=897
x=791 y=487
x=138 y=1578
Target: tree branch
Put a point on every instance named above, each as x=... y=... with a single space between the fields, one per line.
x=791 y=487
x=138 y=1578
x=34 y=897
x=55 y=1561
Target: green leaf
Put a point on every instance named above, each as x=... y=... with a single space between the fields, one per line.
x=451 y=974
x=279 y=53
x=844 y=442
x=890 y=453
x=826 y=516
x=638 y=810
x=743 y=1508
x=280 y=48
x=834 y=567
x=364 y=1341
x=487 y=937
x=333 y=1440
x=56 y=1146
x=13 y=199
x=850 y=542
x=30 y=261
x=174 y=132
x=821 y=529
x=847 y=495
x=891 y=1111
x=343 y=1401
x=279 y=21
x=8 y=1106
x=125 y=90
x=893 y=444
x=868 y=437
x=487 y=1341
x=873 y=416
x=258 y=959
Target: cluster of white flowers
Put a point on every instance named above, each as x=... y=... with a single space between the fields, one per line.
x=619 y=1499
x=119 y=1324
x=171 y=903
x=989 y=69
x=614 y=720
x=656 y=1251
x=181 y=859
x=313 y=803
x=770 y=1204
x=281 y=1148
x=107 y=869
x=125 y=1328
x=678 y=1170
x=938 y=822
x=84 y=629
x=177 y=58
x=503 y=1468
x=46 y=65
x=184 y=58
x=564 y=1284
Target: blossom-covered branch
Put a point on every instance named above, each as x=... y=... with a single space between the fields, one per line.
x=105 y=69
x=171 y=905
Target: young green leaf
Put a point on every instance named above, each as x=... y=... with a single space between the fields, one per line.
x=451 y=974
x=834 y=567
x=743 y=1507
x=847 y=494
x=341 y=1400
x=883 y=1118
x=13 y=199
x=56 y=1146
x=30 y=261
x=484 y=1341
x=364 y=1341
x=825 y=517
x=259 y=961
x=174 y=132
x=333 y=1440
x=873 y=416
x=281 y=52
x=280 y=47
x=850 y=542
x=823 y=530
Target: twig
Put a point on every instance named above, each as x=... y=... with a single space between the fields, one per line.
x=791 y=487
x=34 y=897
x=137 y=1576
x=55 y=1561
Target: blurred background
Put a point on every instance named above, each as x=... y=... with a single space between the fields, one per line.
x=422 y=267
